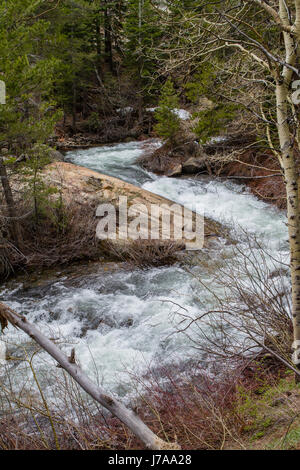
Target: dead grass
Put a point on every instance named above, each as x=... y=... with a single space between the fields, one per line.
x=144 y=253
x=46 y=244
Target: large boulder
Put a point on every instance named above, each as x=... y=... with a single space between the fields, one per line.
x=83 y=186
x=170 y=159
x=174 y=170
x=194 y=165
x=56 y=156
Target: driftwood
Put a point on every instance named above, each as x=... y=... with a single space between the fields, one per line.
x=125 y=415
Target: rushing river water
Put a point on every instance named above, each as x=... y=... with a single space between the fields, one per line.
x=120 y=320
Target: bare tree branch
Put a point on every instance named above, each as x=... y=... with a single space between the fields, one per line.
x=126 y=416
x=275 y=15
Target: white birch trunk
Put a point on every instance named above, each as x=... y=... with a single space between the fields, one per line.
x=288 y=163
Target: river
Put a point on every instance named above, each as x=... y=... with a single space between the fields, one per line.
x=120 y=320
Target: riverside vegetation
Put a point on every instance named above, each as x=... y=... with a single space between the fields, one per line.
x=218 y=84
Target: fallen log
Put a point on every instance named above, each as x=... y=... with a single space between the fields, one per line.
x=125 y=415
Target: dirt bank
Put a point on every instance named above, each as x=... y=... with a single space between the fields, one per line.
x=261 y=173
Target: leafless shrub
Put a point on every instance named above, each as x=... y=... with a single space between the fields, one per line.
x=251 y=311
x=194 y=409
x=61 y=236
x=145 y=253
x=29 y=419
x=76 y=240
x=192 y=406
x=10 y=256
x=46 y=409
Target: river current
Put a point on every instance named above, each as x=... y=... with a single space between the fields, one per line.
x=124 y=320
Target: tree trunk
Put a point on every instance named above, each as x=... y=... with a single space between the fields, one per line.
x=293 y=210
x=74 y=93
x=126 y=416
x=108 y=40
x=140 y=107
x=74 y=120
x=289 y=166
x=13 y=222
x=98 y=46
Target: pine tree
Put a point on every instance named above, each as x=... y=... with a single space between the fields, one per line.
x=29 y=114
x=213 y=120
x=142 y=32
x=168 y=121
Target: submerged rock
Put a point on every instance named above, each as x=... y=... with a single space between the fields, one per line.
x=194 y=165
x=175 y=170
x=173 y=160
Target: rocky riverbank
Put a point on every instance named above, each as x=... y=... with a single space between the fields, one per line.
x=232 y=157
x=67 y=232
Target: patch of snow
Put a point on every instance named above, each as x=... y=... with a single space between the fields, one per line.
x=126 y=110
x=181 y=113
x=218 y=139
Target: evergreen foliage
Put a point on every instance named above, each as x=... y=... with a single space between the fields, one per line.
x=168 y=122
x=30 y=114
